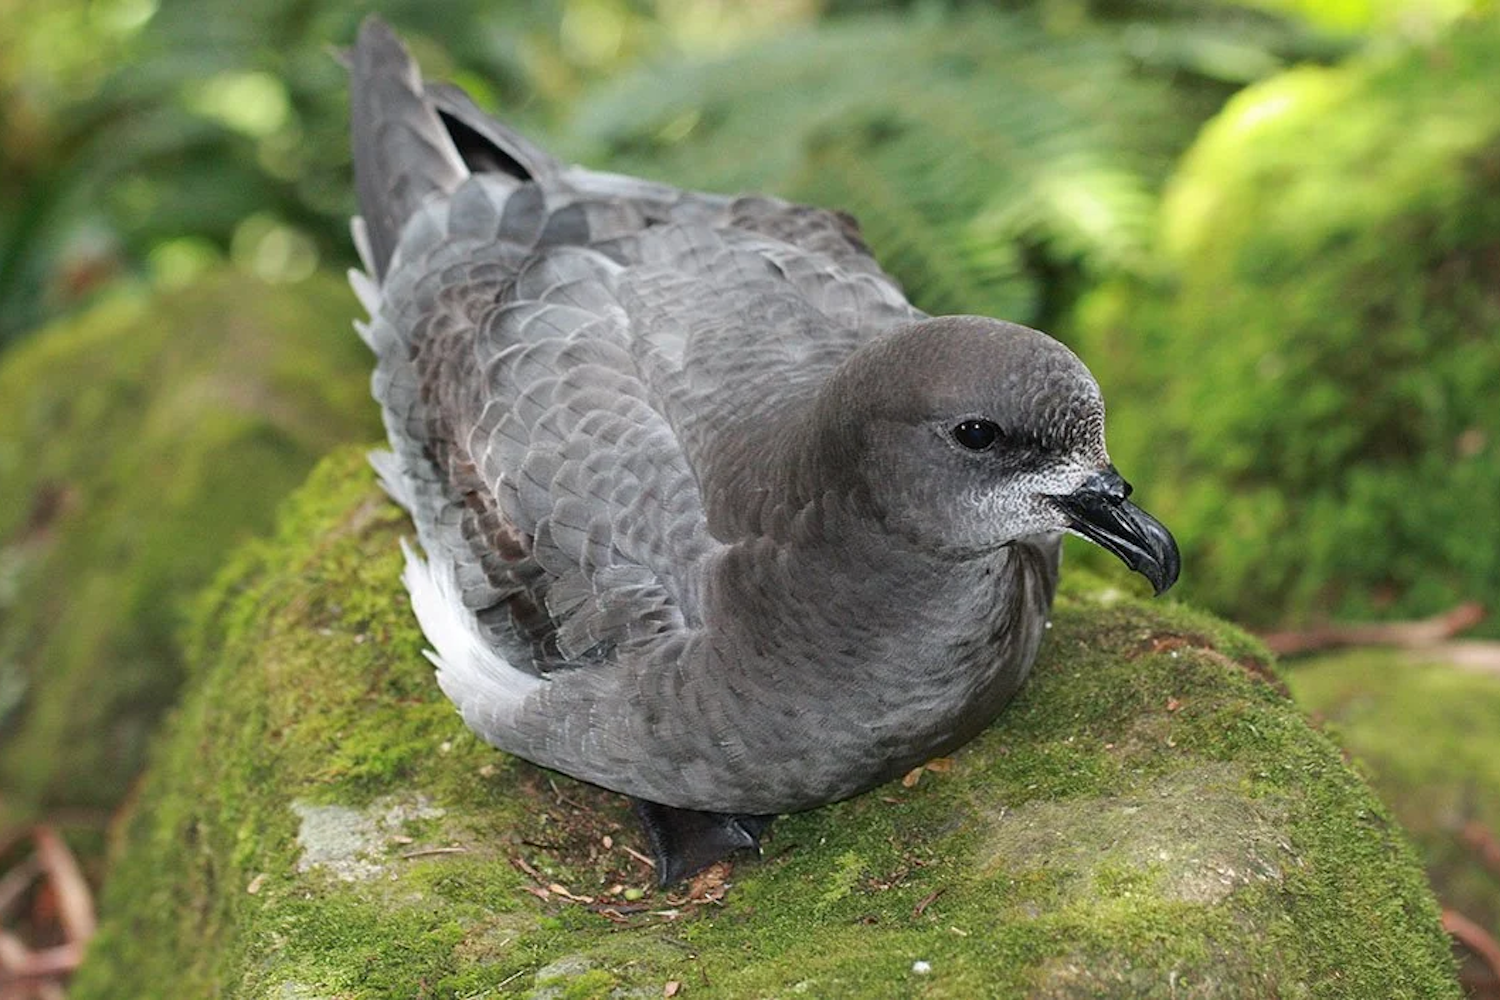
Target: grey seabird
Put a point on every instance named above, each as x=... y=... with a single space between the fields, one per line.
x=711 y=515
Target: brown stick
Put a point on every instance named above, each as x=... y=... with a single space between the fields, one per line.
x=45 y=964
x=14 y=883
x=1475 y=655
x=1473 y=937
x=13 y=953
x=75 y=902
x=927 y=900
x=1406 y=635
x=1483 y=843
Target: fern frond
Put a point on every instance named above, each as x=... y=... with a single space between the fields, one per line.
x=981 y=153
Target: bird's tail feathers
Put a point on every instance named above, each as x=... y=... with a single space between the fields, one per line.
x=402 y=153
x=413 y=140
x=487 y=146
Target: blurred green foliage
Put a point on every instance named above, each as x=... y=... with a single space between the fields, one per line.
x=1425 y=734
x=990 y=160
x=138 y=444
x=1310 y=395
x=150 y=138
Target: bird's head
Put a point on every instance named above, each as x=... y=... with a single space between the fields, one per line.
x=969 y=433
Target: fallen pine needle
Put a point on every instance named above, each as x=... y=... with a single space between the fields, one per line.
x=927 y=901
x=426 y=851
x=638 y=856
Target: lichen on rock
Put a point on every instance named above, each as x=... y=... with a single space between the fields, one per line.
x=1149 y=817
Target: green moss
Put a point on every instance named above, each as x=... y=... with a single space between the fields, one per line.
x=1308 y=401
x=1425 y=734
x=138 y=445
x=1149 y=811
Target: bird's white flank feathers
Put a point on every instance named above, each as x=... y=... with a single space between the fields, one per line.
x=473 y=675
x=365 y=290
x=392 y=479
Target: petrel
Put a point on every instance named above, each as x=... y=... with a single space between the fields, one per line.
x=709 y=514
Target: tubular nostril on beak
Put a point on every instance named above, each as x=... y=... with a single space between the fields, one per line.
x=1109 y=484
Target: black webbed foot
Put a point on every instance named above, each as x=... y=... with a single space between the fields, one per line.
x=684 y=841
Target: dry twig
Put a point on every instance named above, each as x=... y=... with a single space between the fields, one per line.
x=1483 y=843
x=1475 y=655
x=1405 y=635
x=14 y=883
x=927 y=900
x=37 y=972
x=74 y=900
x=427 y=852
x=1473 y=937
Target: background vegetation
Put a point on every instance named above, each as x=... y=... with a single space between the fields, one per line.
x=1272 y=228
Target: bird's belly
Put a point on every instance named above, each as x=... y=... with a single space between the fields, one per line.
x=785 y=748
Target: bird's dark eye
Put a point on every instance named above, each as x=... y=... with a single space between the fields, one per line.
x=976 y=435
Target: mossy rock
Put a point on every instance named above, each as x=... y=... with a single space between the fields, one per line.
x=1310 y=398
x=1424 y=731
x=138 y=445
x=1150 y=818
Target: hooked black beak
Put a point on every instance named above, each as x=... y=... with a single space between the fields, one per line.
x=1098 y=511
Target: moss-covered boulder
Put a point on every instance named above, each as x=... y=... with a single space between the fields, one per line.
x=1312 y=396
x=1424 y=730
x=138 y=445
x=1151 y=818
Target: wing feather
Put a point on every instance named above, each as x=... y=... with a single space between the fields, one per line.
x=557 y=350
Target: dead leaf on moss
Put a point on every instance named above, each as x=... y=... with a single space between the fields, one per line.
x=938 y=765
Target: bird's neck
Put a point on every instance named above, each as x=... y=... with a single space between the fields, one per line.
x=772 y=474
x=809 y=551
x=835 y=572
